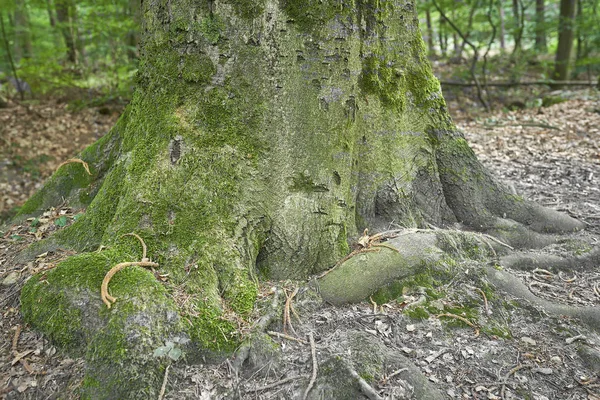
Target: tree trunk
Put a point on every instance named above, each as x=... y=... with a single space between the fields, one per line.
x=430 y=44
x=23 y=46
x=443 y=36
x=64 y=10
x=517 y=29
x=502 y=28
x=132 y=37
x=566 y=33
x=540 y=27
x=262 y=137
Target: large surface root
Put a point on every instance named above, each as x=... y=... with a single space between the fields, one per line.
x=513 y=286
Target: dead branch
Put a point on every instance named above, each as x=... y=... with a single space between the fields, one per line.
x=76 y=160
x=516 y=84
x=107 y=298
x=274 y=384
x=288 y=337
x=313 y=353
x=164 y=383
x=463 y=319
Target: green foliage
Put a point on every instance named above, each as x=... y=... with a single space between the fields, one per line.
x=104 y=36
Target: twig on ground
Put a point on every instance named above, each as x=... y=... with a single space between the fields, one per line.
x=544 y=273
x=19 y=357
x=541 y=284
x=393 y=374
x=365 y=388
x=76 y=160
x=164 y=383
x=500 y=242
x=287 y=320
x=313 y=352
x=596 y=290
x=485 y=301
x=288 y=337
x=272 y=385
x=463 y=319
x=374 y=304
x=512 y=371
x=568 y=280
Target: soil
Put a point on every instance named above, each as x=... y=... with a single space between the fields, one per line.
x=550 y=155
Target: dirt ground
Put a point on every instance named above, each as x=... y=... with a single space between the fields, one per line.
x=550 y=155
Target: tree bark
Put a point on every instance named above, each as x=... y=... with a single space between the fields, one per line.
x=23 y=46
x=64 y=13
x=262 y=137
x=566 y=34
x=430 y=44
x=502 y=28
x=443 y=36
x=540 y=27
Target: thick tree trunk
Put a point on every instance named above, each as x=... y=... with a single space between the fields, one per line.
x=262 y=136
x=566 y=33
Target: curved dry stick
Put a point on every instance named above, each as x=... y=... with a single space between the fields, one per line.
x=76 y=160
x=135 y=235
x=107 y=298
x=463 y=319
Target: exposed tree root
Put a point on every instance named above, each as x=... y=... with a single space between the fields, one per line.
x=529 y=261
x=513 y=285
x=259 y=327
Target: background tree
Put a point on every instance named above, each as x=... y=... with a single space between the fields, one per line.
x=566 y=34
x=262 y=136
x=540 y=27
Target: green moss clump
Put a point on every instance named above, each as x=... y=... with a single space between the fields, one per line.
x=52 y=313
x=197 y=68
x=381 y=78
x=248 y=9
x=417 y=313
x=211 y=28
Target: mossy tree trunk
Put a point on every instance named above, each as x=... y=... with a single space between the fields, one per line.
x=262 y=137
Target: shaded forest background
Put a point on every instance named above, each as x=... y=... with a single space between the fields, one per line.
x=82 y=57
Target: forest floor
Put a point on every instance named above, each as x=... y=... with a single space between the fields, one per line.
x=550 y=155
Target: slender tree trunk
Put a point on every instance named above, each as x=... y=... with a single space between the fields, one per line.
x=566 y=33
x=430 y=33
x=579 y=52
x=23 y=46
x=132 y=37
x=517 y=27
x=64 y=10
x=540 y=27
x=51 y=16
x=502 y=28
x=457 y=45
x=443 y=36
